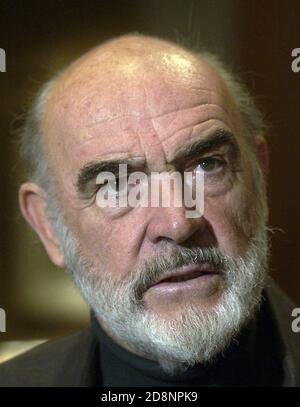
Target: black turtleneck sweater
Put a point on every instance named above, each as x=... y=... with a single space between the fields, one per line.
x=252 y=359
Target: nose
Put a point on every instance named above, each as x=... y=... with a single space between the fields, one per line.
x=172 y=224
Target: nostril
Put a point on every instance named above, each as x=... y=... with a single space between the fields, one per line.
x=171 y=224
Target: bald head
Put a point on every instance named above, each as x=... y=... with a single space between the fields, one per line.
x=130 y=86
x=119 y=70
x=129 y=75
x=132 y=57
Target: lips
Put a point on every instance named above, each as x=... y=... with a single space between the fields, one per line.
x=186 y=273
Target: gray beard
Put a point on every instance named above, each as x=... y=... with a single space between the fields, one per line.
x=195 y=336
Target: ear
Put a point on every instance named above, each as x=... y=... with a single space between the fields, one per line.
x=32 y=200
x=262 y=154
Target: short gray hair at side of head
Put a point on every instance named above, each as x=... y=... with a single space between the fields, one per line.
x=31 y=140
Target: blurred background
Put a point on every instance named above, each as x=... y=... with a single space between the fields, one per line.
x=40 y=37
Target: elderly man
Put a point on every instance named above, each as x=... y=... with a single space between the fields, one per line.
x=175 y=299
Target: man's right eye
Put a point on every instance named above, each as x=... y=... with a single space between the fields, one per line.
x=211 y=164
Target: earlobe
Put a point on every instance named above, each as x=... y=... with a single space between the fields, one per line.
x=32 y=201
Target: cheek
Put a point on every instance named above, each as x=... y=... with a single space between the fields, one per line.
x=90 y=232
x=108 y=244
x=231 y=217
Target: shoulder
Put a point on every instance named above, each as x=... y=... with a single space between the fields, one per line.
x=282 y=309
x=60 y=362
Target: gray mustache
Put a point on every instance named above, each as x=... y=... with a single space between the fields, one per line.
x=157 y=267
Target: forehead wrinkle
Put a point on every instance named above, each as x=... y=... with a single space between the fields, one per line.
x=150 y=147
x=93 y=77
x=160 y=138
x=114 y=152
x=155 y=117
x=197 y=121
x=217 y=85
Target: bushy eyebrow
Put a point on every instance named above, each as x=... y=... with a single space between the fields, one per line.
x=190 y=150
x=91 y=170
x=217 y=139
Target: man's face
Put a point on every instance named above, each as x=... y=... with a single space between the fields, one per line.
x=146 y=112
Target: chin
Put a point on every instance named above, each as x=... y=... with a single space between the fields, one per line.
x=171 y=300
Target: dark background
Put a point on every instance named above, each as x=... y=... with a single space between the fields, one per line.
x=40 y=37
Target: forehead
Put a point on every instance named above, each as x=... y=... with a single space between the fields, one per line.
x=131 y=106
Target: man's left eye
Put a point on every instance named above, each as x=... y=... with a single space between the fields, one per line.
x=210 y=164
